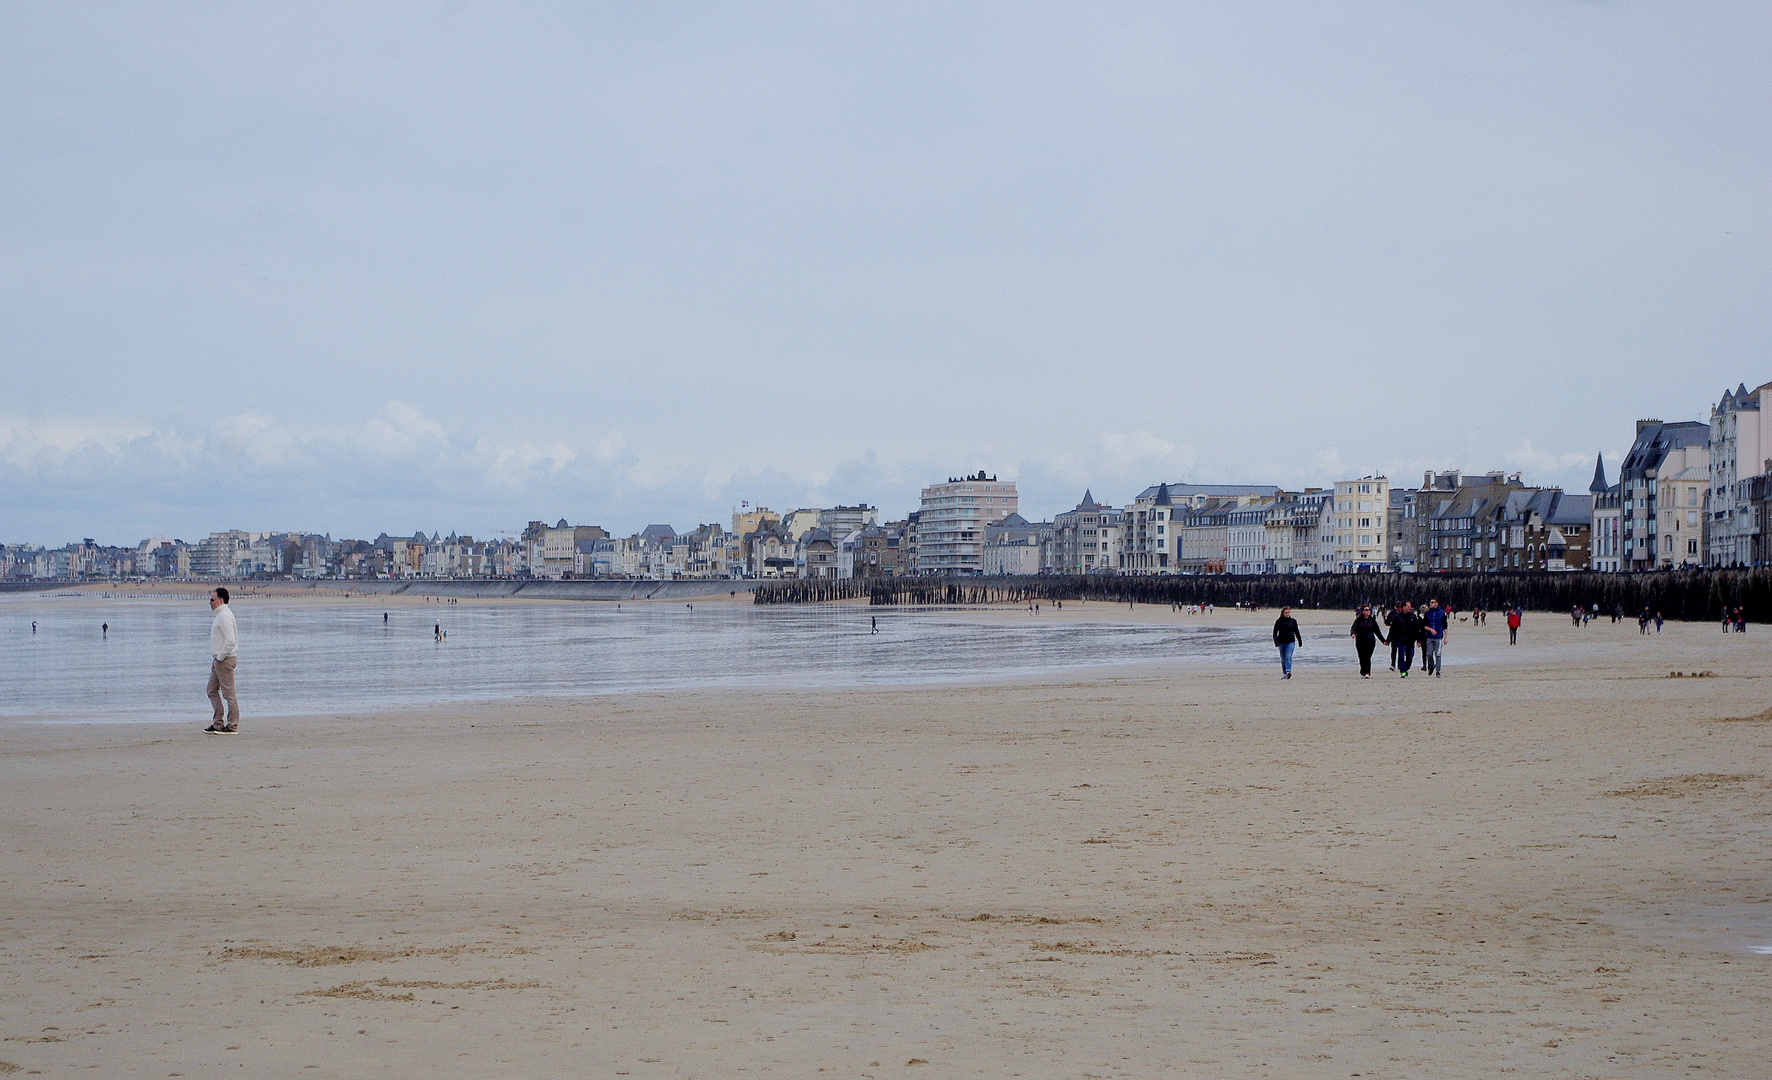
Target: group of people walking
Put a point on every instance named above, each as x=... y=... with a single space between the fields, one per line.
x=1403 y=628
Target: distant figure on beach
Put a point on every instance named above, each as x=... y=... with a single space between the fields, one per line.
x=691 y=608
x=1288 y=639
x=1740 y=621
x=1575 y=615
x=104 y=630
x=1433 y=637
x=1405 y=632
x=1658 y=621
x=437 y=631
x=1366 y=634
x=1513 y=625
x=384 y=618
x=1643 y=622
x=874 y=624
x=224 y=653
x=33 y=626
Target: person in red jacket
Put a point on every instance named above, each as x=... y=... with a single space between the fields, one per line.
x=1513 y=625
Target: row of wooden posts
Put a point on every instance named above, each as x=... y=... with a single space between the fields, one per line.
x=1692 y=595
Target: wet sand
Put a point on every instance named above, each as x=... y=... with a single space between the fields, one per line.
x=1552 y=862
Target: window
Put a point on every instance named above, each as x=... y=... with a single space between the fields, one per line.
x=1365 y=489
x=1691 y=547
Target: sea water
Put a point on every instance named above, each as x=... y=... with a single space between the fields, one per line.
x=308 y=657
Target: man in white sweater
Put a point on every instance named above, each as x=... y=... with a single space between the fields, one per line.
x=224 y=650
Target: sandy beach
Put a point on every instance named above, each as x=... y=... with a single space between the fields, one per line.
x=1551 y=863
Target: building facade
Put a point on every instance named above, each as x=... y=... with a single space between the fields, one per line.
x=1740 y=449
x=1665 y=481
x=952 y=520
x=1362 y=525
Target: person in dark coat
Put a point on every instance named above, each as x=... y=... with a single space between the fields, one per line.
x=1390 y=620
x=1286 y=639
x=1366 y=634
x=1405 y=632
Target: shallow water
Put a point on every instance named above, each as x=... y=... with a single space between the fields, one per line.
x=308 y=657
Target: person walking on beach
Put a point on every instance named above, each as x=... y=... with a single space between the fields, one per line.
x=1405 y=631
x=224 y=653
x=104 y=630
x=1513 y=625
x=1366 y=634
x=874 y=622
x=1390 y=620
x=1288 y=639
x=1433 y=637
x=1658 y=621
x=1643 y=622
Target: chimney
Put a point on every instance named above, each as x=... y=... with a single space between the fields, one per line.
x=1641 y=424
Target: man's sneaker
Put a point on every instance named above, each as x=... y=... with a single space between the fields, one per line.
x=213 y=730
x=228 y=730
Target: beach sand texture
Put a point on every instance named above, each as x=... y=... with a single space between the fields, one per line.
x=1551 y=863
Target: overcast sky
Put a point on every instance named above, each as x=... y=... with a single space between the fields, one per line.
x=358 y=268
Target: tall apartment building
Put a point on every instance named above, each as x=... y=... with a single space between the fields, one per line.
x=1362 y=525
x=952 y=519
x=1740 y=449
x=1666 y=485
x=219 y=556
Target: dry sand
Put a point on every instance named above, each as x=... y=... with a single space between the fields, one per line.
x=1551 y=863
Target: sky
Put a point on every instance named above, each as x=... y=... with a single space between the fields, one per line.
x=355 y=268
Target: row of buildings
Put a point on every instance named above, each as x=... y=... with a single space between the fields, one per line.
x=1687 y=494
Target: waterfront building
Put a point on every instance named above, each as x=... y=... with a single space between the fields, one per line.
x=799 y=522
x=747 y=520
x=1294 y=532
x=815 y=554
x=843 y=520
x=1153 y=527
x=1246 y=535
x=1544 y=529
x=771 y=551
x=1666 y=485
x=1083 y=538
x=219 y=555
x=953 y=518
x=1400 y=526
x=1362 y=525
x=1457 y=520
x=1017 y=546
x=1740 y=449
x=1605 y=526
x=871 y=552
x=1205 y=537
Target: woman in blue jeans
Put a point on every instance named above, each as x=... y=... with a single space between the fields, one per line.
x=1288 y=639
